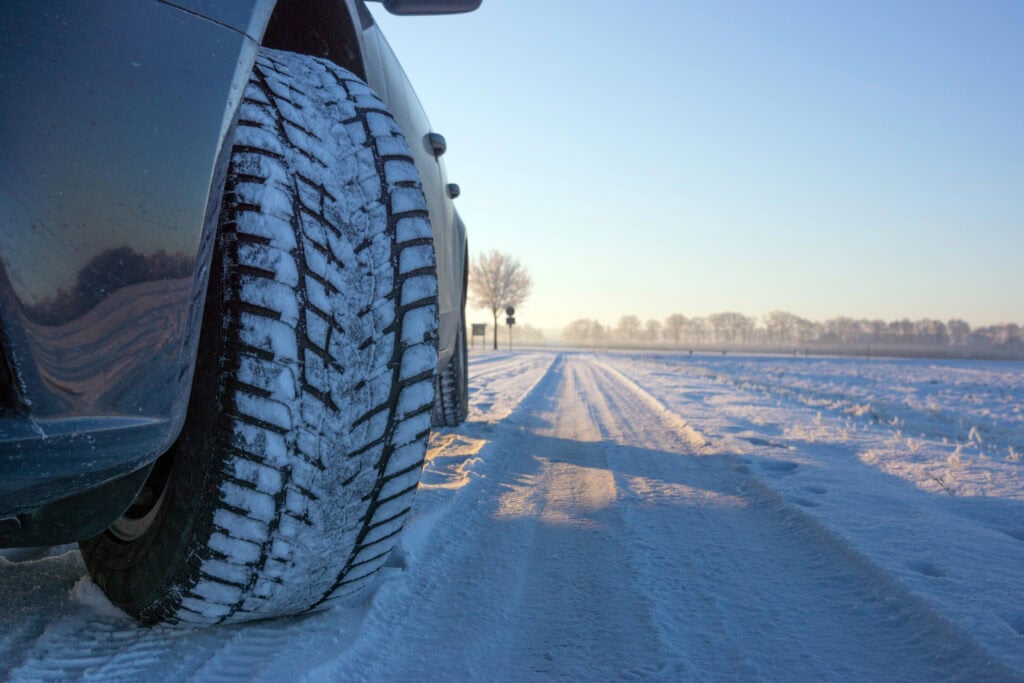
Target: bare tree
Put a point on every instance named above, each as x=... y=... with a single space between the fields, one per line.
x=674 y=326
x=731 y=327
x=697 y=330
x=1004 y=334
x=497 y=280
x=628 y=329
x=779 y=327
x=959 y=331
x=585 y=332
x=902 y=330
x=842 y=330
x=652 y=331
x=876 y=328
x=932 y=332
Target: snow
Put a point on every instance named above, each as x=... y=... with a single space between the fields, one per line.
x=400 y=172
x=261 y=332
x=405 y=199
x=89 y=595
x=638 y=515
x=268 y=411
x=264 y=257
x=413 y=258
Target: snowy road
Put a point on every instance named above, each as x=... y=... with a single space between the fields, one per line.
x=613 y=516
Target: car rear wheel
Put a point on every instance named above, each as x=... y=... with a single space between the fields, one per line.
x=451 y=386
x=313 y=388
x=451 y=400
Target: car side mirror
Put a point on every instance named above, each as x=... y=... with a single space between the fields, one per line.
x=413 y=7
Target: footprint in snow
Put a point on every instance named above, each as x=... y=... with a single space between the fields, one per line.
x=779 y=467
x=803 y=502
x=757 y=441
x=927 y=568
x=1017 y=534
x=644 y=671
x=743 y=465
x=816 y=490
x=1016 y=622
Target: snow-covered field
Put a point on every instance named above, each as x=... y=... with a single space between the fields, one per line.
x=630 y=515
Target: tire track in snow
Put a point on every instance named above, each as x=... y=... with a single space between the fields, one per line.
x=89 y=639
x=604 y=539
x=57 y=626
x=93 y=648
x=522 y=579
x=94 y=641
x=947 y=559
x=764 y=579
x=575 y=616
x=496 y=386
x=487 y=366
x=596 y=539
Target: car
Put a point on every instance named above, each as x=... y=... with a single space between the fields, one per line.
x=232 y=294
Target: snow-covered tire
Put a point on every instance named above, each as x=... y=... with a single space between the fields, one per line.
x=313 y=388
x=451 y=396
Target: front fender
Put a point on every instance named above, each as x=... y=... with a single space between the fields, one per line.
x=112 y=157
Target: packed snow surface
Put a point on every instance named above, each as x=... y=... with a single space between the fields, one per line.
x=672 y=517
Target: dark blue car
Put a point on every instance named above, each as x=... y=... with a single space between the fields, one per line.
x=232 y=286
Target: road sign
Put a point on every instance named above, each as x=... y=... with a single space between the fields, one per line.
x=510 y=321
x=509 y=311
x=479 y=330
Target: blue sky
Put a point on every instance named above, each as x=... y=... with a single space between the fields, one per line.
x=859 y=159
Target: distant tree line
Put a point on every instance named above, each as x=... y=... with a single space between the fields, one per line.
x=780 y=329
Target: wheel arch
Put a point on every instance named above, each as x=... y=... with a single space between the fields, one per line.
x=330 y=29
x=320 y=28
x=325 y=28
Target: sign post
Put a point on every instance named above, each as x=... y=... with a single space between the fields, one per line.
x=479 y=330
x=510 y=321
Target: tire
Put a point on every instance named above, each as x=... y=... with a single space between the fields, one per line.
x=312 y=394
x=451 y=398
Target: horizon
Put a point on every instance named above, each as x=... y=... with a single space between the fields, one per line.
x=476 y=316
x=557 y=334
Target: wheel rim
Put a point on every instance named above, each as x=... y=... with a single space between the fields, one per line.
x=132 y=524
x=139 y=517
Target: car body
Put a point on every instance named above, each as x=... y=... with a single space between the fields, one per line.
x=116 y=121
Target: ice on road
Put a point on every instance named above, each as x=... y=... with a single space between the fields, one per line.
x=606 y=516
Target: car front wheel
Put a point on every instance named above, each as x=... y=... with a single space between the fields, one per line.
x=313 y=389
